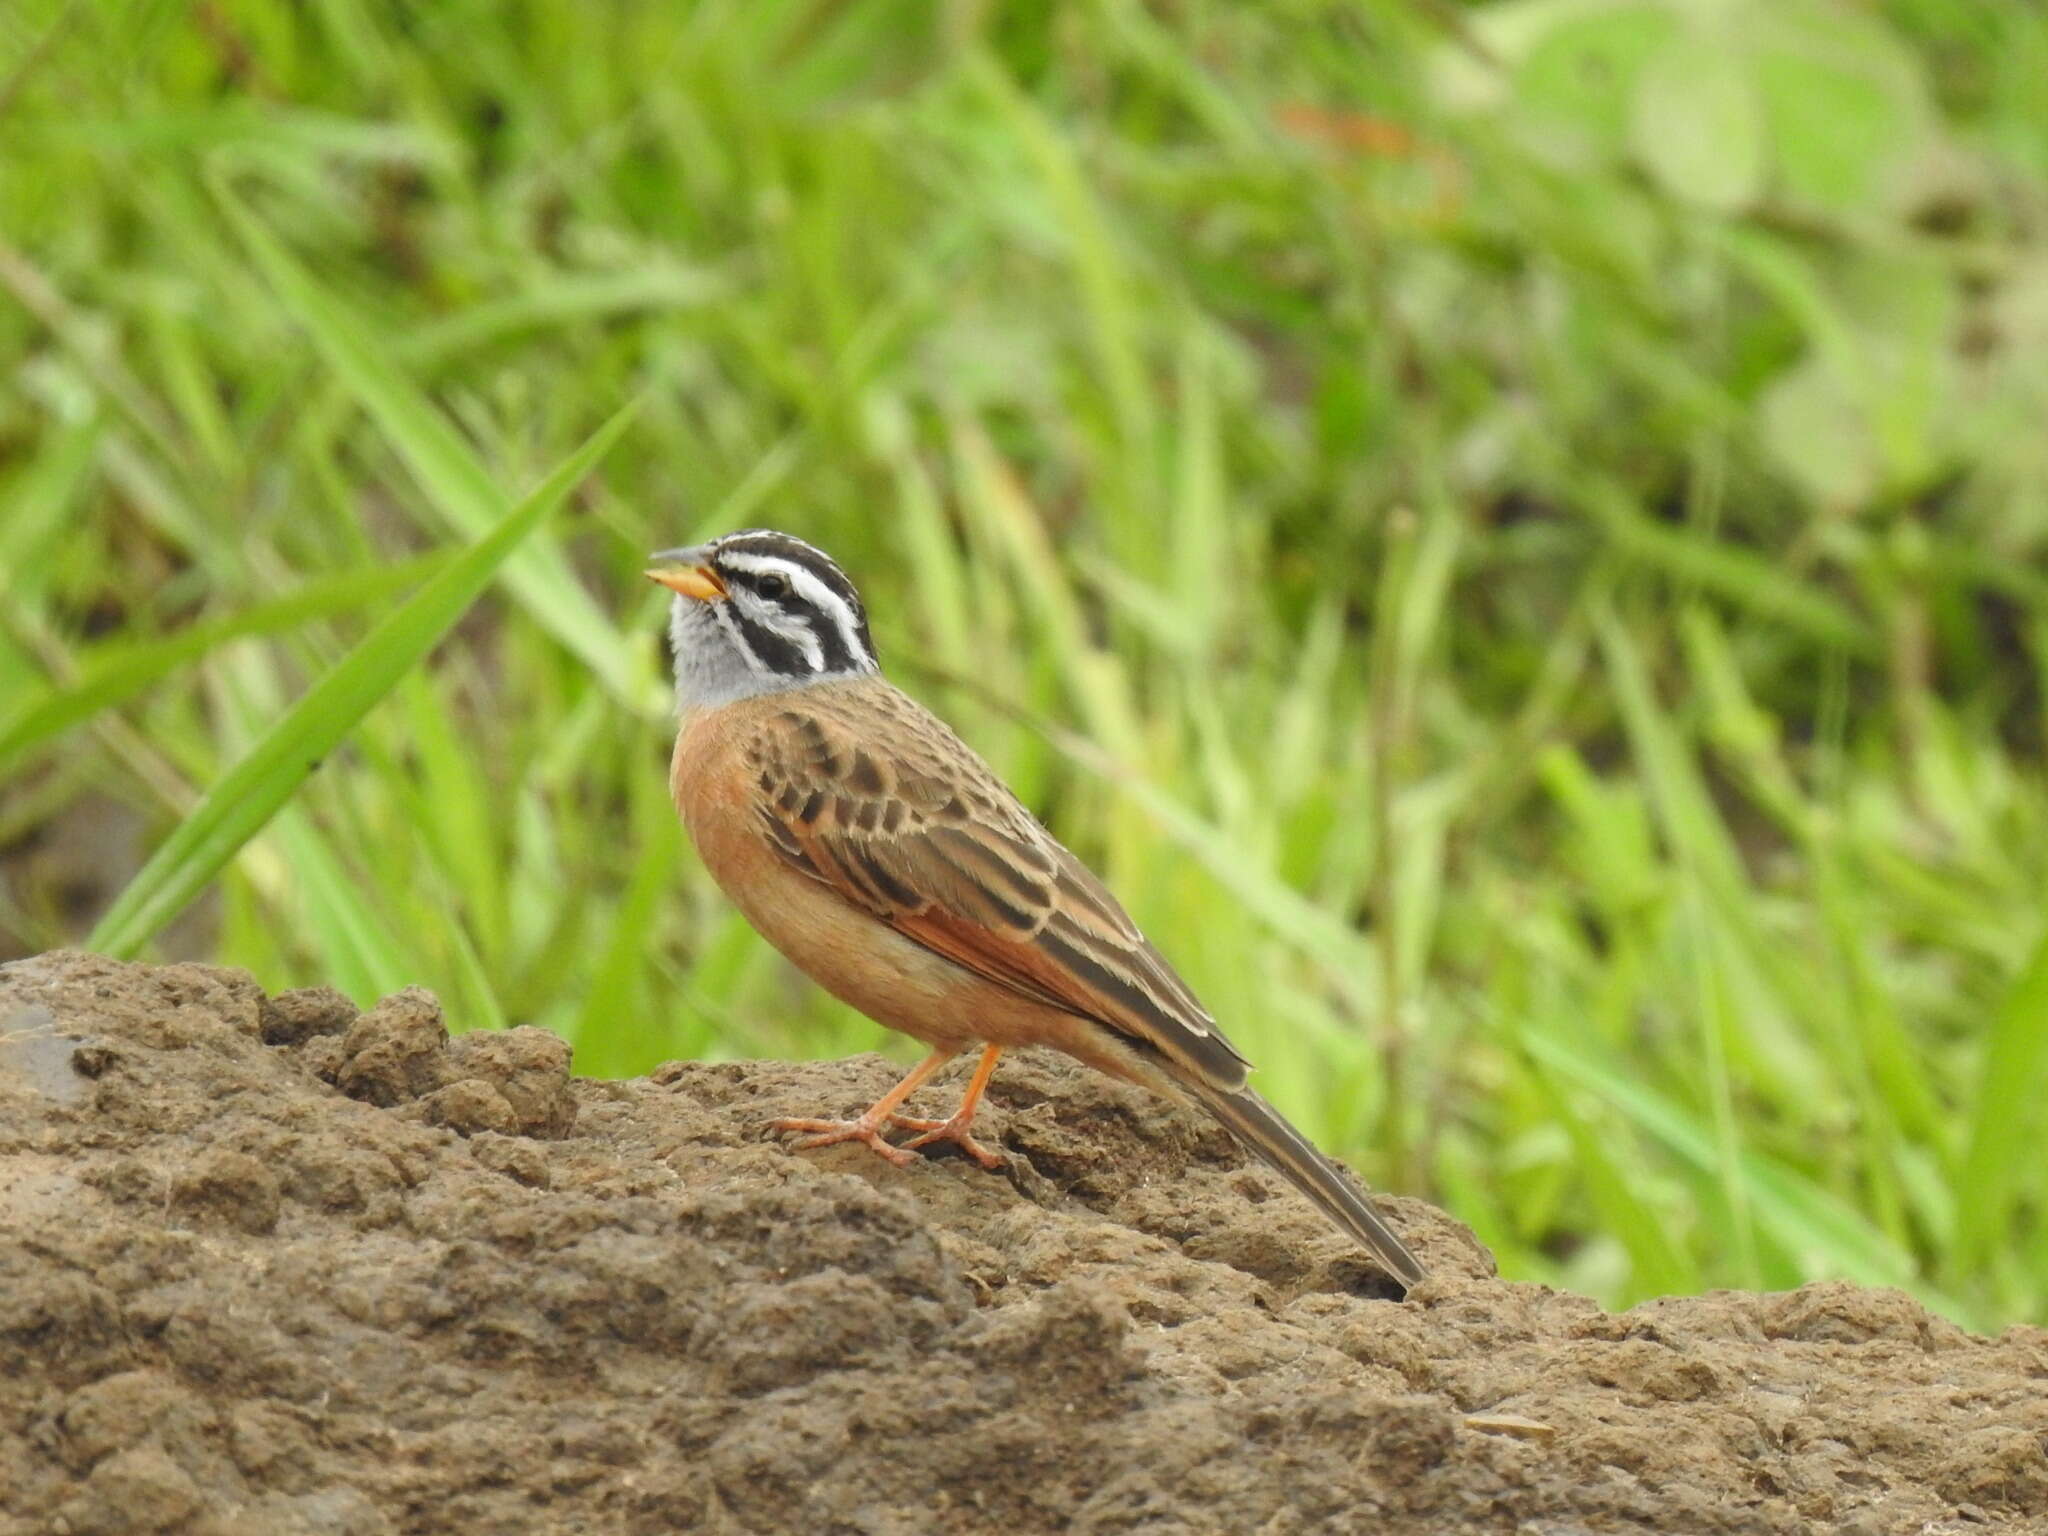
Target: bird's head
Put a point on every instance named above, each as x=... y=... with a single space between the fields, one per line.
x=759 y=612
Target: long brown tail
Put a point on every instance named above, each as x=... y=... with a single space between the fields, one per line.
x=1289 y=1153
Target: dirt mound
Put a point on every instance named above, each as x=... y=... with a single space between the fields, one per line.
x=266 y=1266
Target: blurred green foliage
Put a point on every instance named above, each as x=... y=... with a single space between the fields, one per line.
x=1512 y=535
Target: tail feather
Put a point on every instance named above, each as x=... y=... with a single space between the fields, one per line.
x=1289 y=1153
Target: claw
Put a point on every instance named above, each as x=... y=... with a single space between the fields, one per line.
x=954 y=1131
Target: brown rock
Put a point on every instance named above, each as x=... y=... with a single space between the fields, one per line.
x=132 y=1493
x=468 y=1106
x=223 y=1185
x=395 y=1052
x=513 y=1156
x=291 y=1018
x=530 y=1068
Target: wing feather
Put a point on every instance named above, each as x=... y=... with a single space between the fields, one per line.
x=916 y=829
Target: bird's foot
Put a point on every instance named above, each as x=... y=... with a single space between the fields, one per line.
x=953 y=1130
x=829 y=1133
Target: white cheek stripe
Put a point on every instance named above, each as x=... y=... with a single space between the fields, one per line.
x=814 y=592
x=794 y=630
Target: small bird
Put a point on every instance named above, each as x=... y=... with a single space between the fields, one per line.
x=881 y=855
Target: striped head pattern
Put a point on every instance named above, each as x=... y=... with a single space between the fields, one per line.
x=758 y=612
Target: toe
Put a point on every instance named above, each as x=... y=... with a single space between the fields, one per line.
x=966 y=1143
x=830 y=1133
x=873 y=1142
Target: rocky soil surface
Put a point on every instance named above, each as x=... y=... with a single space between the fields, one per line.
x=267 y=1266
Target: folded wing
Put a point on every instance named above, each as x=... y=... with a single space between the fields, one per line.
x=921 y=833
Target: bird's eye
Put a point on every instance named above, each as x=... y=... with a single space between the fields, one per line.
x=772 y=586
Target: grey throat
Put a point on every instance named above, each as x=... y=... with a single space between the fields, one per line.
x=713 y=665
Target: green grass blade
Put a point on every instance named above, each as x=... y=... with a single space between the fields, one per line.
x=557 y=303
x=2003 y=1135
x=1821 y=1232
x=1732 y=573
x=38 y=504
x=1661 y=1266
x=113 y=674
x=249 y=793
x=613 y=993
x=452 y=476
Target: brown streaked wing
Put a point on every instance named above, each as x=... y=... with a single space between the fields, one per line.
x=919 y=831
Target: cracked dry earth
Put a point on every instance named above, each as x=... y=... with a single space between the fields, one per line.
x=270 y=1267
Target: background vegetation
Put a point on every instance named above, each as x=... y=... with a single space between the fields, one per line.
x=1512 y=535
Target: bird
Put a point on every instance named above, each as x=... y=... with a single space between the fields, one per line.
x=875 y=849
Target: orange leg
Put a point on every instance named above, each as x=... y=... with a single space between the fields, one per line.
x=955 y=1129
x=868 y=1128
